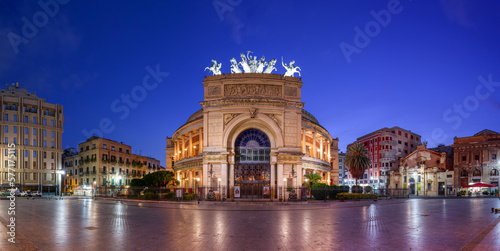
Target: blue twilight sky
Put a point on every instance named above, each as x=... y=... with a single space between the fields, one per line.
x=428 y=66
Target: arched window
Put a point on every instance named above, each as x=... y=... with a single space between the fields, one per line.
x=494 y=172
x=476 y=173
x=252 y=145
x=464 y=173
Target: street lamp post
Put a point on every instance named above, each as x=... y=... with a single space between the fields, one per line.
x=220 y=194
x=59 y=173
x=284 y=189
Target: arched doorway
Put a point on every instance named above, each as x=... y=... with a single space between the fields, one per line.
x=412 y=186
x=464 y=178
x=252 y=170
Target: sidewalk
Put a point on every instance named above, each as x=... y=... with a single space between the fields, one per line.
x=488 y=239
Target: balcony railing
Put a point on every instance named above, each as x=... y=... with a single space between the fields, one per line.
x=393 y=151
x=390 y=142
x=81 y=173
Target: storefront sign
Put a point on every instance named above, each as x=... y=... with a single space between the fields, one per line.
x=178 y=193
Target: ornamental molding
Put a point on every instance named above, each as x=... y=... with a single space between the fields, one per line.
x=229 y=117
x=252 y=102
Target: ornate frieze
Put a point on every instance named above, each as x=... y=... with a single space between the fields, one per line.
x=239 y=90
x=253 y=101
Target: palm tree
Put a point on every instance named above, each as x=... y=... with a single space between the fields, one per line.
x=357 y=160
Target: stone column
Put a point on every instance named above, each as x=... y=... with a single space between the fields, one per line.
x=183 y=147
x=321 y=155
x=190 y=151
x=328 y=146
x=190 y=179
x=231 y=174
x=314 y=152
x=204 y=177
x=201 y=140
x=303 y=140
x=299 y=175
x=280 y=175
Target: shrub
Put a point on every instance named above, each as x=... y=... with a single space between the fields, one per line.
x=356 y=196
x=368 y=189
x=495 y=191
x=319 y=191
x=188 y=196
x=485 y=192
x=137 y=183
x=333 y=190
x=344 y=189
x=168 y=196
x=357 y=189
x=463 y=192
x=150 y=196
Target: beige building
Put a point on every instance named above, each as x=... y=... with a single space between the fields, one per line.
x=103 y=162
x=252 y=133
x=34 y=129
x=476 y=158
x=425 y=173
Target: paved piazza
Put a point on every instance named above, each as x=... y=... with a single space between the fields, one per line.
x=404 y=224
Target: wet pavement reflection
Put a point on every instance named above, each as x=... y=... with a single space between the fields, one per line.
x=83 y=224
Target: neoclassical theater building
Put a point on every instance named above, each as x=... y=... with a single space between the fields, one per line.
x=251 y=132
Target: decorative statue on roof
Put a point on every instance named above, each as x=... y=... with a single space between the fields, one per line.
x=215 y=69
x=252 y=62
x=261 y=65
x=234 y=66
x=270 y=68
x=244 y=63
x=291 y=69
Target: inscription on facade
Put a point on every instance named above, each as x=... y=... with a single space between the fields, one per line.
x=251 y=90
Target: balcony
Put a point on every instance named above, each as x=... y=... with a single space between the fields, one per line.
x=391 y=151
x=81 y=173
x=388 y=142
x=387 y=159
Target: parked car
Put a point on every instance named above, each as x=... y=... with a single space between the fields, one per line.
x=37 y=194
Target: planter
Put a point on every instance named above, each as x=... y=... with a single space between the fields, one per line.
x=341 y=200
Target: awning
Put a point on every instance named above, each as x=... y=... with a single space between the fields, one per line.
x=480 y=185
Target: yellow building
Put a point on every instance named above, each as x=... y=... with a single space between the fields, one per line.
x=103 y=162
x=252 y=133
x=34 y=129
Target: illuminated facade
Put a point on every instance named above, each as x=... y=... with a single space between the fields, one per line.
x=386 y=147
x=476 y=158
x=252 y=132
x=35 y=127
x=105 y=162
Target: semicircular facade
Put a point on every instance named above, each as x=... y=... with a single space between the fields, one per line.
x=253 y=134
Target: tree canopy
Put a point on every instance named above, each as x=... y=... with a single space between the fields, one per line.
x=160 y=179
x=313 y=178
x=357 y=160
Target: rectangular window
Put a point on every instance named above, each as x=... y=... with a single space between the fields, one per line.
x=26 y=130
x=15 y=118
x=45 y=143
x=419 y=178
x=15 y=141
x=464 y=158
x=52 y=123
x=52 y=134
x=25 y=142
x=34 y=131
x=406 y=135
x=6 y=117
x=476 y=157
x=52 y=144
x=429 y=187
x=6 y=140
x=6 y=129
x=34 y=120
x=15 y=129
x=44 y=121
x=34 y=154
x=112 y=148
x=34 y=142
x=45 y=133
x=494 y=156
x=104 y=146
x=25 y=153
x=25 y=119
